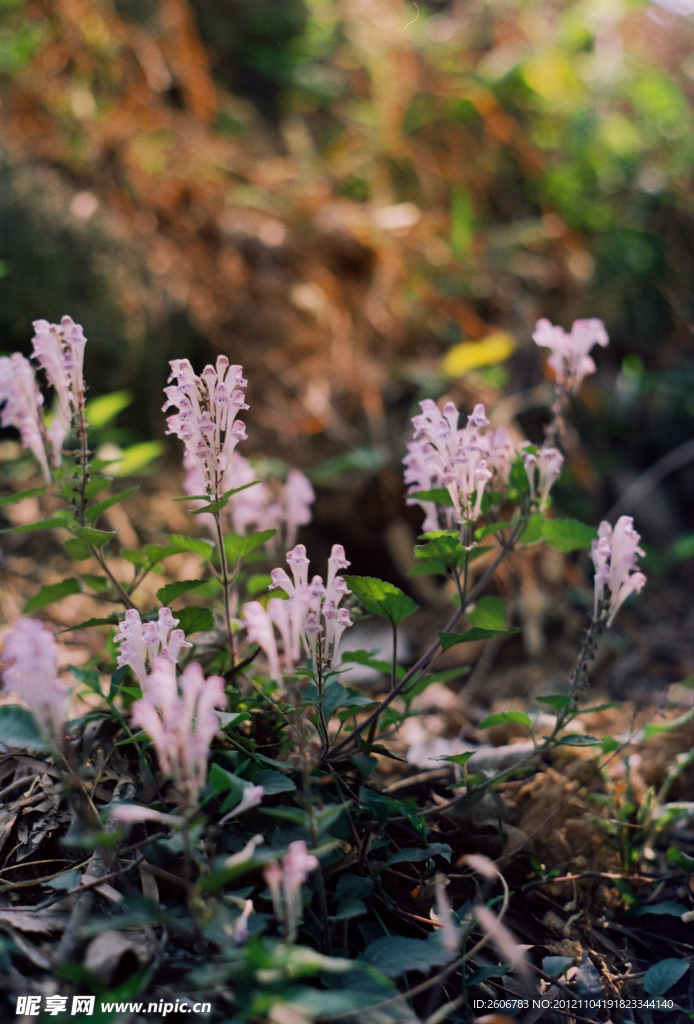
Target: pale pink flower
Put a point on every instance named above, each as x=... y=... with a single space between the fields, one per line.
x=250 y=798
x=135 y=814
x=180 y=724
x=259 y=631
x=141 y=642
x=31 y=671
x=570 y=359
x=285 y=884
x=298 y=497
x=616 y=570
x=451 y=933
x=206 y=418
x=241 y=926
x=22 y=402
x=463 y=460
x=59 y=350
x=546 y=465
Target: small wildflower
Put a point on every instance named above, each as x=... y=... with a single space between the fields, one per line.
x=22 y=402
x=181 y=725
x=140 y=642
x=570 y=359
x=32 y=673
x=251 y=797
x=616 y=569
x=547 y=465
x=285 y=881
x=241 y=927
x=451 y=933
x=59 y=350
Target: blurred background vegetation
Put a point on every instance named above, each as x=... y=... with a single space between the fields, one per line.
x=365 y=202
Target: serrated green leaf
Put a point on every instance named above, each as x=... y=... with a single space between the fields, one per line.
x=195 y=620
x=445 y=548
x=237 y=546
x=171 y=591
x=77 y=549
x=504 y=717
x=18 y=728
x=16 y=496
x=95 y=537
x=476 y=633
x=381 y=598
x=95 y=510
x=337 y=696
x=663 y=975
x=50 y=593
x=488 y=613
x=568 y=534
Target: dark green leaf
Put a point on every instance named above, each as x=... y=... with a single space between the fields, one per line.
x=347 y=909
x=663 y=975
x=42 y=524
x=171 y=591
x=568 y=534
x=442 y=546
x=352 y=886
x=273 y=782
x=503 y=717
x=111 y=620
x=394 y=955
x=195 y=620
x=415 y=856
x=336 y=696
x=428 y=567
x=556 y=965
x=89 y=676
x=18 y=728
x=558 y=701
x=95 y=511
x=488 y=613
x=667 y=907
x=470 y=635
x=577 y=739
x=30 y=492
x=238 y=546
x=381 y=598
x=439 y=495
x=50 y=593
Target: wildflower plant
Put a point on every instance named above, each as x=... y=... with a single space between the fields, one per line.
x=259 y=757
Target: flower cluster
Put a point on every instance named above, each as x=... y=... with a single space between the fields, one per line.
x=261 y=507
x=545 y=465
x=206 y=418
x=570 y=359
x=462 y=461
x=183 y=725
x=22 y=402
x=616 y=570
x=32 y=673
x=284 y=882
x=309 y=617
x=151 y=640
x=59 y=350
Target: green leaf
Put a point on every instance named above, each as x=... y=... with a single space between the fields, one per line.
x=459 y=759
x=428 y=568
x=18 y=728
x=502 y=717
x=97 y=583
x=258 y=583
x=196 y=545
x=444 y=547
x=608 y=744
x=350 y=886
x=556 y=965
x=95 y=511
x=669 y=908
x=42 y=524
x=476 y=633
x=97 y=538
x=517 y=477
x=577 y=739
x=368 y=659
x=89 y=676
x=663 y=975
x=195 y=620
x=16 y=496
x=347 y=909
x=654 y=729
x=171 y=591
x=135 y=557
x=237 y=546
x=558 y=701
x=678 y=857
x=415 y=856
x=488 y=613
x=77 y=549
x=52 y=592
x=136 y=458
x=381 y=598
x=273 y=782
x=222 y=502
x=532 y=531
x=568 y=534
x=101 y=410
x=111 y=620
x=486 y=531
x=439 y=495
x=394 y=955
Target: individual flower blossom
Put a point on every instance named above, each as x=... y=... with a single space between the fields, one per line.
x=139 y=642
x=180 y=724
x=31 y=671
x=259 y=631
x=546 y=465
x=570 y=359
x=616 y=570
x=285 y=881
x=241 y=927
x=22 y=402
x=451 y=933
x=206 y=418
x=297 y=499
x=59 y=350
x=251 y=797
x=462 y=460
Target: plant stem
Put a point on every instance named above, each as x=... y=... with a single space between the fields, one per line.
x=226 y=584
